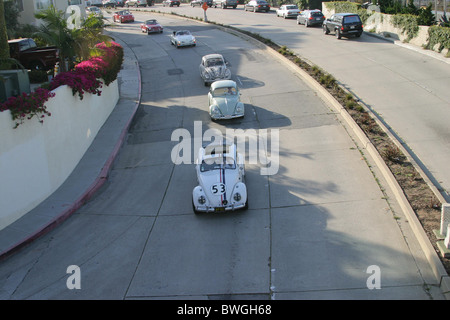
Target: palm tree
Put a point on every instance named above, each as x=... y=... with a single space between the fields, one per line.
x=4 y=47
x=54 y=31
x=73 y=43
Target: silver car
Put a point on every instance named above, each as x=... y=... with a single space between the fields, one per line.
x=182 y=38
x=136 y=3
x=224 y=100
x=214 y=67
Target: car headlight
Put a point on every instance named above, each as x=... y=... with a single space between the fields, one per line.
x=237 y=196
x=206 y=75
x=201 y=200
x=239 y=108
x=215 y=111
x=227 y=73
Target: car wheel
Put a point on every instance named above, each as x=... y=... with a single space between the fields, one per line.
x=306 y=23
x=325 y=30
x=338 y=34
x=298 y=22
x=246 y=204
x=254 y=9
x=358 y=35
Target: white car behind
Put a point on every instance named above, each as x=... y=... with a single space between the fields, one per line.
x=182 y=38
x=213 y=67
x=288 y=11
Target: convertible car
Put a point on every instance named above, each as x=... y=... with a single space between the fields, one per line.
x=214 y=67
x=224 y=100
x=220 y=175
x=151 y=26
x=123 y=16
x=182 y=38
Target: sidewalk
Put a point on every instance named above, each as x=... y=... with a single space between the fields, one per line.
x=90 y=173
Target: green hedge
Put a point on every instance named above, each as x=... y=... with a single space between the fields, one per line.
x=439 y=35
x=408 y=24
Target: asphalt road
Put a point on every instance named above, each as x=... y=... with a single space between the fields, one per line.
x=318 y=228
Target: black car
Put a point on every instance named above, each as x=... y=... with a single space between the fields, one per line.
x=257 y=5
x=311 y=18
x=171 y=3
x=343 y=25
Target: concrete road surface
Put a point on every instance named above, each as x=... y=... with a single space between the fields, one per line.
x=320 y=228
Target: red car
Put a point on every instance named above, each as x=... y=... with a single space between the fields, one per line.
x=151 y=26
x=123 y=16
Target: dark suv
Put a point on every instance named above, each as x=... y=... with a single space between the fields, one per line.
x=343 y=24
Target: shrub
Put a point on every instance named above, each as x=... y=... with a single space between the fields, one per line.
x=438 y=36
x=79 y=80
x=28 y=105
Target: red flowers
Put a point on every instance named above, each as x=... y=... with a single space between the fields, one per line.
x=28 y=105
x=85 y=77
x=79 y=80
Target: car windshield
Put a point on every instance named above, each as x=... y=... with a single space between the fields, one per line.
x=217 y=163
x=291 y=7
x=352 y=19
x=224 y=91
x=214 y=62
x=150 y=22
x=123 y=13
x=183 y=33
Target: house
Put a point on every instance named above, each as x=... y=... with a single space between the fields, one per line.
x=28 y=8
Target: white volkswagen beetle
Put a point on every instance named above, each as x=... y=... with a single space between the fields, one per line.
x=214 y=67
x=220 y=175
x=182 y=38
x=224 y=100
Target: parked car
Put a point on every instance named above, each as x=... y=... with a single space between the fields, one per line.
x=171 y=3
x=200 y=3
x=257 y=5
x=31 y=56
x=120 y=3
x=123 y=16
x=182 y=38
x=225 y=3
x=95 y=11
x=151 y=26
x=95 y=3
x=136 y=3
x=343 y=24
x=109 y=3
x=288 y=11
x=311 y=18
x=224 y=100
x=221 y=179
x=213 y=67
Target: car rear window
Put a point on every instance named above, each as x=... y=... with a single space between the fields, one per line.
x=316 y=14
x=352 y=19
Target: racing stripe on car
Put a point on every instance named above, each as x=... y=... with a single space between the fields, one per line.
x=225 y=193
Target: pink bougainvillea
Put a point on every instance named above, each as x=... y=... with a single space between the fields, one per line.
x=87 y=77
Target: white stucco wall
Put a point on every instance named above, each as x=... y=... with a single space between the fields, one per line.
x=35 y=158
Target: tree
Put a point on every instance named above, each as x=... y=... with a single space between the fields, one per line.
x=4 y=47
x=73 y=43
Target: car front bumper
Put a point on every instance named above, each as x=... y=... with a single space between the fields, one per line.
x=220 y=209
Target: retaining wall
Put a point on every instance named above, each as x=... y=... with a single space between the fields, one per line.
x=35 y=158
